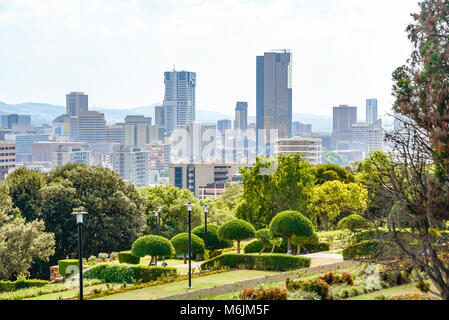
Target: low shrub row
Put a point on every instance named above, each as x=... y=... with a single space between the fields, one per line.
x=270 y=262
x=256 y=246
x=264 y=294
x=128 y=257
x=9 y=286
x=332 y=278
x=119 y=273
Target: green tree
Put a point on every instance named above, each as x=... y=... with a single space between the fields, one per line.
x=237 y=230
x=116 y=209
x=265 y=237
x=331 y=172
x=181 y=244
x=274 y=185
x=24 y=186
x=291 y=223
x=154 y=246
x=213 y=242
x=333 y=157
x=302 y=241
x=174 y=216
x=20 y=241
x=353 y=222
x=332 y=198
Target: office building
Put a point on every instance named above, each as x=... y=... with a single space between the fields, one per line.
x=274 y=95
x=301 y=129
x=132 y=164
x=375 y=137
x=76 y=102
x=116 y=134
x=91 y=127
x=42 y=150
x=8 y=121
x=7 y=157
x=223 y=125
x=191 y=176
x=159 y=116
x=344 y=117
x=179 y=99
x=63 y=154
x=310 y=148
x=159 y=156
x=138 y=130
x=24 y=144
x=371 y=111
x=241 y=116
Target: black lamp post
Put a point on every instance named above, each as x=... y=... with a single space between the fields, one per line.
x=79 y=220
x=189 y=208
x=205 y=225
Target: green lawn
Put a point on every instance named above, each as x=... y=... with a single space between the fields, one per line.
x=396 y=291
x=70 y=293
x=181 y=287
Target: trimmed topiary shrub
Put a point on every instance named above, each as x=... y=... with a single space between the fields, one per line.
x=68 y=267
x=270 y=262
x=154 y=246
x=128 y=257
x=215 y=253
x=256 y=246
x=317 y=286
x=265 y=238
x=365 y=249
x=353 y=222
x=181 y=244
x=118 y=273
x=213 y=242
x=237 y=230
x=291 y=223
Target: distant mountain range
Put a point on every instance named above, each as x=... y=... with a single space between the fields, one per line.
x=42 y=113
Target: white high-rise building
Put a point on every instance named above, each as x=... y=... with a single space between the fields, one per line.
x=63 y=154
x=179 y=100
x=132 y=164
x=371 y=111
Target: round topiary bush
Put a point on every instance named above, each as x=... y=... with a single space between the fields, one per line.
x=237 y=230
x=154 y=246
x=128 y=257
x=213 y=242
x=353 y=222
x=291 y=223
x=303 y=241
x=181 y=244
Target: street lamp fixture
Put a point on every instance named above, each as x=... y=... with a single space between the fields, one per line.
x=206 y=208
x=157 y=214
x=79 y=221
x=189 y=208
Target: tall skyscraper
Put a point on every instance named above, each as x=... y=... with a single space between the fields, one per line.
x=179 y=100
x=159 y=118
x=223 y=125
x=371 y=111
x=76 y=102
x=274 y=93
x=344 y=117
x=241 y=116
x=7 y=121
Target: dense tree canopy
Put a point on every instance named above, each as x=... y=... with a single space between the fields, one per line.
x=236 y=230
x=330 y=172
x=274 y=185
x=213 y=242
x=333 y=198
x=20 y=241
x=181 y=244
x=154 y=246
x=174 y=216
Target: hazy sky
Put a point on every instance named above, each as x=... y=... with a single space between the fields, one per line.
x=344 y=51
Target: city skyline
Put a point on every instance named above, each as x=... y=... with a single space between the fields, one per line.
x=137 y=82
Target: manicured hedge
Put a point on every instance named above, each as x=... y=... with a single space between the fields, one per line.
x=256 y=246
x=365 y=249
x=9 y=286
x=270 y=262
x=113 y=272
x=128 y=257
x=67 y=267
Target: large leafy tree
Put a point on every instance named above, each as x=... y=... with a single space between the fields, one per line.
x=330 y=172
x=20 y=241
x=333 y=198
x=174 y=216
x=274 y=185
